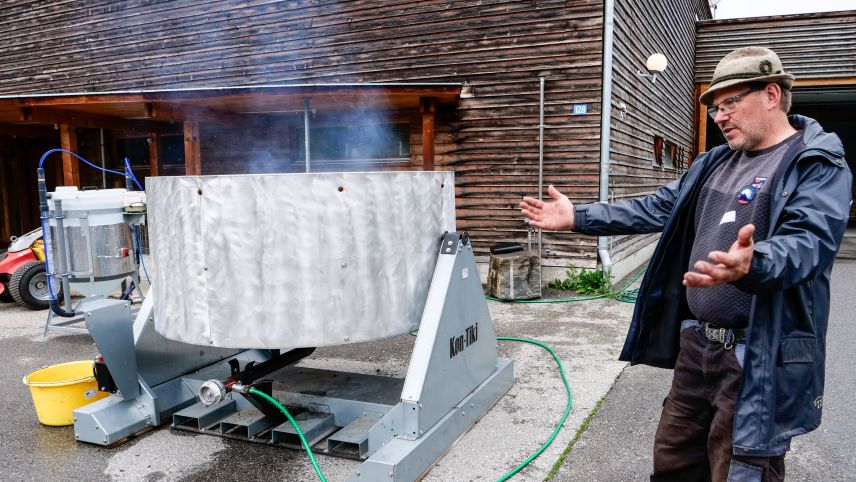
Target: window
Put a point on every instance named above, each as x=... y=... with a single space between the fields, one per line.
x=379 y=143
x=136 y=149
x=668 y=155
x=172 y=150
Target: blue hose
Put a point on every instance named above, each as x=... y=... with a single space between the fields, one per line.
x=54 y=306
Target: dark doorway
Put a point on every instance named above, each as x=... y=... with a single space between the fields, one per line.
x=833 y=108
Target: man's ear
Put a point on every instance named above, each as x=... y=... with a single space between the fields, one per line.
x=772 y=94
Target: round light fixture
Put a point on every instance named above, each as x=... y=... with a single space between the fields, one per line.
x=656 y=63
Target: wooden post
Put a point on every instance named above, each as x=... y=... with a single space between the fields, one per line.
x=6 y=225
x=154 y=155
x=701 y=133
x=428 y=107
x=192 y=162
x=70 y=166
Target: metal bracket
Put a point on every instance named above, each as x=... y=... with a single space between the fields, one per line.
x=111 y=326
x=452 y=242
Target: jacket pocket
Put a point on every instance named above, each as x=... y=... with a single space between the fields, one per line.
x=743 y=472
x=798 y=350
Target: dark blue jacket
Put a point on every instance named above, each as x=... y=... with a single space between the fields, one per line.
x=781 y=394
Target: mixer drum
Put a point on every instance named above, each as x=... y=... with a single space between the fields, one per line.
x=98 y=242
x=295 y=260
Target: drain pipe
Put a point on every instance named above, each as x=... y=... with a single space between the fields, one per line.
x=540 y=154
x=306 y=131
x=605 y=125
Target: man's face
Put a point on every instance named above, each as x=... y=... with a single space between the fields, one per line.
x=745 y=126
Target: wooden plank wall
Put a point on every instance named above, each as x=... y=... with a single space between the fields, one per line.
x=498 y=48
x=663 y=108
x=810 y=46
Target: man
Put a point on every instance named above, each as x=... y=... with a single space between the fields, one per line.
x=736 y=296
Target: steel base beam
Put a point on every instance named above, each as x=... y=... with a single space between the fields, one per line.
x=406 y=460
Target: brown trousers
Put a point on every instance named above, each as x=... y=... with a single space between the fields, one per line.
x=693 y=441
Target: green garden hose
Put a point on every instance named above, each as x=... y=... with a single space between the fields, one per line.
x=625 y=295
x=501 y=479
x=564 y=415
x=569 y=300
x=296 y=428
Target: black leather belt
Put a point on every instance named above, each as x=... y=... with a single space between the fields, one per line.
x=718 y=334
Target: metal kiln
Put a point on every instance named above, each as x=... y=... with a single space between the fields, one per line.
x=254 y=271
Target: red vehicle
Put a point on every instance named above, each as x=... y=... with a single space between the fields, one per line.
x=22 y=272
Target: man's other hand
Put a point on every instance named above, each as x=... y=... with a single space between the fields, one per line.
x=553 y=216
x=725 y=267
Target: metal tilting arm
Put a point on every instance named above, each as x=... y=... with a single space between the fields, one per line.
x=213 y=391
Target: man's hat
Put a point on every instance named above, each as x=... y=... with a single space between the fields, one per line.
x=749 y=64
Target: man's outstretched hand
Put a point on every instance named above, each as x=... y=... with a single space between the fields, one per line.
x=725 y=267
x=553 y=216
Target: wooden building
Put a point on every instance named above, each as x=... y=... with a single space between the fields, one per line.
x=819 y=49
x=212 y=87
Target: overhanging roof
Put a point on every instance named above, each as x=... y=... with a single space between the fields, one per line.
x=128 y=108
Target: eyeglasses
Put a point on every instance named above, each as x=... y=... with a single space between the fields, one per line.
x=729 y=105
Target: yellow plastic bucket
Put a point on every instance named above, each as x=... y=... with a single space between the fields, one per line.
x=59 y=389
x=39 y=249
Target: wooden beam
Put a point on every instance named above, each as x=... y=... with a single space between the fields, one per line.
x=443 y=94
x=183 y=112
x=701 y=127
x=154 y=155
x=65 y=100
x=6 y=225
x=70 y=166
x=29 y=131
x=825 y=82
x=45 y=115
x=428 y=107
x=192 y=161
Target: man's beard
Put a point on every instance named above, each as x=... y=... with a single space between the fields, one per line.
x=748 y=142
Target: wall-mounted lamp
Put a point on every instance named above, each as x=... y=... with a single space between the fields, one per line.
x=655 y=64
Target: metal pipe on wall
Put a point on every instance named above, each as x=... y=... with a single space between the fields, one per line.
x=540 y=152
x=306 y=131
x=103 y=160
x=62 y=251
x=605 y=124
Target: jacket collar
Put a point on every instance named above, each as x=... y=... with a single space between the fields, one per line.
x=817 y=142
x=826 y=144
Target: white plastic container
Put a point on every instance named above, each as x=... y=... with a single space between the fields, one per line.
x=98 y=243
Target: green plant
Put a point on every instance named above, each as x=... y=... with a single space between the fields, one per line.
x=594 y=282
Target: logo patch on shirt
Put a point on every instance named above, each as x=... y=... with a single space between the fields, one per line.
x=747 y=193
x=728 y=217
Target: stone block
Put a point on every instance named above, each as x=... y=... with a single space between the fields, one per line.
x=514 y=276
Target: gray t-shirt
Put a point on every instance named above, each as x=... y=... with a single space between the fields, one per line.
x=737 y=193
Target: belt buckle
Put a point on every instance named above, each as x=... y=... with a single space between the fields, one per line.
x=719 y=335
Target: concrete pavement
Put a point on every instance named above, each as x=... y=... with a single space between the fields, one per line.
x=586 y=336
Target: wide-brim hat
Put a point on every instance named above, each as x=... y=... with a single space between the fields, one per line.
x=748 y=64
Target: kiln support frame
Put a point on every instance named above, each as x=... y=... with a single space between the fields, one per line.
x=398 y=428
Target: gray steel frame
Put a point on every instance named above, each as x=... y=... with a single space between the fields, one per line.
x=66 y=325
x=399 y=428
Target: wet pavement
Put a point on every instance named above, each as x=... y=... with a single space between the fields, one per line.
x=586 y=336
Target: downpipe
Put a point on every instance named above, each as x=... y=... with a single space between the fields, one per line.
x=606 y=124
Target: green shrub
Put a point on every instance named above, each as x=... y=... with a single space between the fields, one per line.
x=594 y=282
